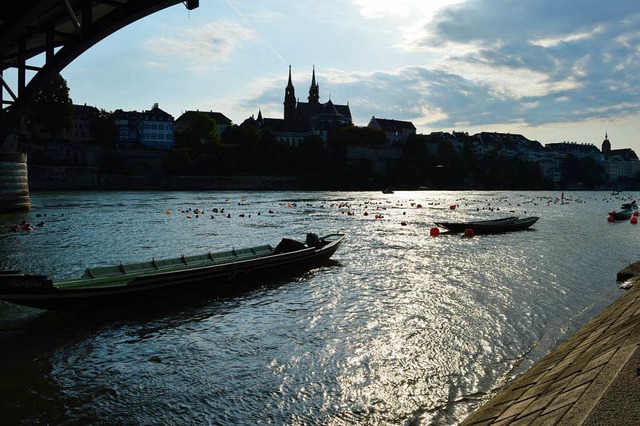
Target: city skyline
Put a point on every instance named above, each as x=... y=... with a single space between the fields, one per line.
x=552 y=71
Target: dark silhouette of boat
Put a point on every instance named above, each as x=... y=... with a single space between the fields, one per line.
x=493 y=226
x=626 y=211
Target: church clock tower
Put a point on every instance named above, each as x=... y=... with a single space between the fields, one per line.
x=289 y=100
x=606 y=146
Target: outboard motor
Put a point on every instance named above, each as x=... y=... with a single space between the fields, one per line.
x=313 y=240
x=287 y=245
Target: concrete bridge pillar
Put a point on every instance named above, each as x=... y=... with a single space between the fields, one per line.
x=14 y=182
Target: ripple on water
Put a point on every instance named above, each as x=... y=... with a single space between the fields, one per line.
x=402 y=326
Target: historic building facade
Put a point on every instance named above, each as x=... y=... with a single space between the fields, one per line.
x=151 y=128
x=619 y=163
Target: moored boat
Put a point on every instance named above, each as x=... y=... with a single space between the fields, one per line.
x=626 y=211
x=114 y=286
x=493 y=226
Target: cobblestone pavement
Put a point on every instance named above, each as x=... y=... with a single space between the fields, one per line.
x=591 y=379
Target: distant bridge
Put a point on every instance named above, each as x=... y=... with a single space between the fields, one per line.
x=61 y=30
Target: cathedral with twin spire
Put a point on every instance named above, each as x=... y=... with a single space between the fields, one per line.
x=304 y=119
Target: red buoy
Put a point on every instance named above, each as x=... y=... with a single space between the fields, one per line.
x=419 y=206
x=468 y=232
x=611 y=219
x=636 y=213
x=434 y=232
x=634 y=220
x=452 y=207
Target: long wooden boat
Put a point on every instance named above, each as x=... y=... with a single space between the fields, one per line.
x=493 y=226
x=115 y=286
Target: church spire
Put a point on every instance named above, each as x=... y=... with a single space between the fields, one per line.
x=290 y=84
x=314 y=90
x=290 y=100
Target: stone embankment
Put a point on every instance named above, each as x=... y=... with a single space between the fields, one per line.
x=591 y=379
x=72 y=178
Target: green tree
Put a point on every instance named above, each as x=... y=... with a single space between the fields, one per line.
x=354 y=135
x=198 y=149
x=104 y=129
x=52 y=107
x=414 y=163
x=112 y=163
x=178 y=162
x=581 y=170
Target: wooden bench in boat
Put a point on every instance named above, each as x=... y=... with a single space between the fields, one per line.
x=182 y=262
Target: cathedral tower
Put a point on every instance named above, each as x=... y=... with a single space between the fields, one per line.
x=289 y=100
x=314 y=90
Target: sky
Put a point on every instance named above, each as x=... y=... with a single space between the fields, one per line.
x=551 y=70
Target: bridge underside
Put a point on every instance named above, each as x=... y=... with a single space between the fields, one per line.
x=59 y=31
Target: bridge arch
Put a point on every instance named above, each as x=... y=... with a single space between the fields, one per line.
x=61 y=30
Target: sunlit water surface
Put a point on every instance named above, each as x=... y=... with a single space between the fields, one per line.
x=401 y=328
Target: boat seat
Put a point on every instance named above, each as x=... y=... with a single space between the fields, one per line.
x=102 y=271
x=203 y=259
x=138 y=267
x=197 y=258
x=168 y=262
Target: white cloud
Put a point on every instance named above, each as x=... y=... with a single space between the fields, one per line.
x=210 y=43
x=370 y=9
x=566 y=38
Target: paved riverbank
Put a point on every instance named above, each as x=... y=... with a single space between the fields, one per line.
x=591 y=379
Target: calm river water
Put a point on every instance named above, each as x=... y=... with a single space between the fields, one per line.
x=401 y=328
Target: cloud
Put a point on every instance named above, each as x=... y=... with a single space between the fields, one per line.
x=200 y=47
x=500 y=64
x=383 y=9
x=535 y=62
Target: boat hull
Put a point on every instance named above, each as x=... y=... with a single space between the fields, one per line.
x=496 y=226
x=626 y=211
x=228 y=278
x=621 y=216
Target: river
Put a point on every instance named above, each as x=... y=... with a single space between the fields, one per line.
x=400 y=328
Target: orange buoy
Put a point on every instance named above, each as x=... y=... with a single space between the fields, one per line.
x=434 y=232
x=167 y=212
x=468 y=232
x=634 y=220
x=611 y=219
